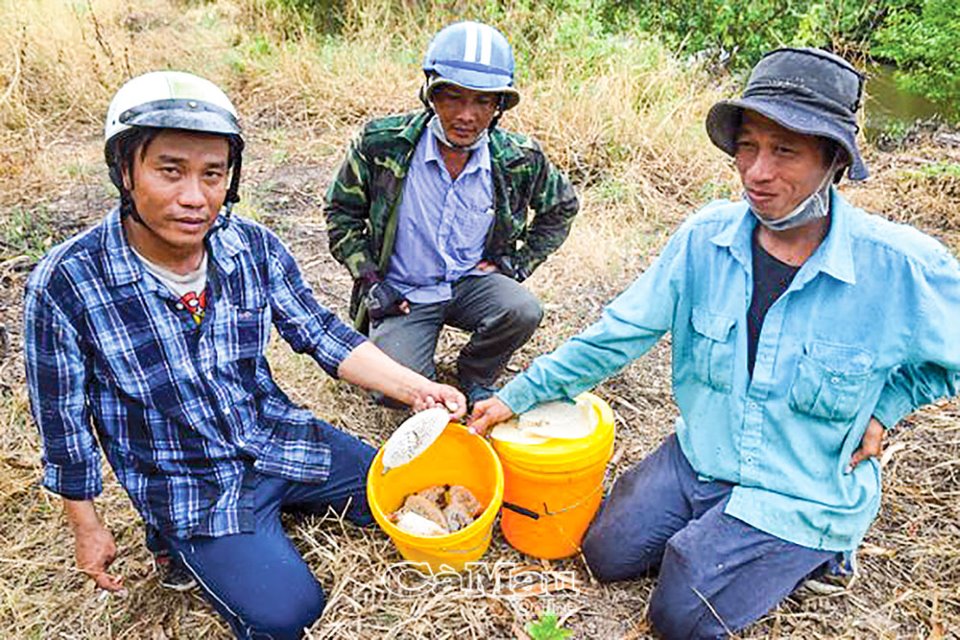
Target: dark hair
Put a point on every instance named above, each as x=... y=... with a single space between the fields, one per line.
x=121 y=152
x=128 y=144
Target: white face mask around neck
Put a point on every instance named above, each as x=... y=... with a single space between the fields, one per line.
x=436 y=128
x=813 y=207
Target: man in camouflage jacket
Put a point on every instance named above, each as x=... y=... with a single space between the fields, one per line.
x=429 y=213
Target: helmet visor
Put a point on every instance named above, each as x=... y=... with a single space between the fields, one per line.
x=478 y=82
x=190 y=115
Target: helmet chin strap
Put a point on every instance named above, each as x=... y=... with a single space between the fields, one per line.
x=814 y=207
x=129 y=208
x=436 y=128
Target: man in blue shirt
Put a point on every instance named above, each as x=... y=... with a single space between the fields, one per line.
x=147 y=333
x=801 y=328
x=430 y=213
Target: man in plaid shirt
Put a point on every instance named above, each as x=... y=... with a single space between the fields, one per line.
x=147 y=333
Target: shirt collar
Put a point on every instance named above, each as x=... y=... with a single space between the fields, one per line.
x=415 y=128
x=225 y=242
x=479 y=159
x=121 y=265
x=735 y=236
x=834 y=256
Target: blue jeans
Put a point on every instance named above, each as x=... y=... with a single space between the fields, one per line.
x=258 y=581
x=717 y=574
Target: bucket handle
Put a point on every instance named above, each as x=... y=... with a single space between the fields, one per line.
x=546 y=510
x=580 y=501
x=521 y=510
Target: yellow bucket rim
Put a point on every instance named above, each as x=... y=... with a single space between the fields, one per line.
x=559 y=455
x=447 y=541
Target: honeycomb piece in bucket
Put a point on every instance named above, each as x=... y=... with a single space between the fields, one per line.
x=415 y=524
x=433 y=494
x=447 y=508
x=462 y=508
x=457 y=517
x=423 y=507
x=560 y=420
x=460 y=495
x=413 y=437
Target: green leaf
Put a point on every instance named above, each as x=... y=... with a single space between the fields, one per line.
x=547 y=628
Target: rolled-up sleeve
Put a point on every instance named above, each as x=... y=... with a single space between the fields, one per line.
x=57 y=379
x=306 y=325
x=932 y=371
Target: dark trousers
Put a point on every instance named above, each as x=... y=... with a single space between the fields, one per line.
x=501 y=314
x=717 y=574
x=258 y=581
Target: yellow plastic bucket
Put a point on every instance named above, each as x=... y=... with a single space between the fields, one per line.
x=552 y=490
x=456 y=457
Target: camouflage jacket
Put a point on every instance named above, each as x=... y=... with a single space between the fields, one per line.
x=362 y=202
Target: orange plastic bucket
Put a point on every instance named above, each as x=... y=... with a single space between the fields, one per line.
x=552 y=490
x=456 y=457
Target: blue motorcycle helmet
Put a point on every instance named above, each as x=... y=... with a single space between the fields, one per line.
x=471 y=55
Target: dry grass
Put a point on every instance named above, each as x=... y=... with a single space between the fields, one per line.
x=624 y=119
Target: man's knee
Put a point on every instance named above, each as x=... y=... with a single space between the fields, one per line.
x=524 y=314
x=679 y=606
x=409 y=341
x=606 y=557
x=669 y=623
x=666 y=621
x=287 y=616
x=600 y=556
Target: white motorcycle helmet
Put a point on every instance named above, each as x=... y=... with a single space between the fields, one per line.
x=171 y=100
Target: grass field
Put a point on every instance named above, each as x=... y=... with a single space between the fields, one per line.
x=620 y=114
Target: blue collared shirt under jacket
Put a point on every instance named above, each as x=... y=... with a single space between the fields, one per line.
x=184 y=413
x=442 y=223
x=870 y=325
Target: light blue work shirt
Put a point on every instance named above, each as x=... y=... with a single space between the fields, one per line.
x=870 y=325
x=442 y=223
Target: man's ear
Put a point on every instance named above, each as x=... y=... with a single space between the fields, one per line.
x=839 y=158
x=126 y=177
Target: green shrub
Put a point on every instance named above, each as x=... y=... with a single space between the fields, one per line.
x=925 y=44
x=921 y=36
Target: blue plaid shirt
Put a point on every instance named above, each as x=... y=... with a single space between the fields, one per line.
x=185 y=414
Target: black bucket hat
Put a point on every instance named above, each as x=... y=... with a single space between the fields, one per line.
x=806 y=90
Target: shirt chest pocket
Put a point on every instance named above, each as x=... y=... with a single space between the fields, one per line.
x=713 y=343
x=242 y=332
x=831 y=381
